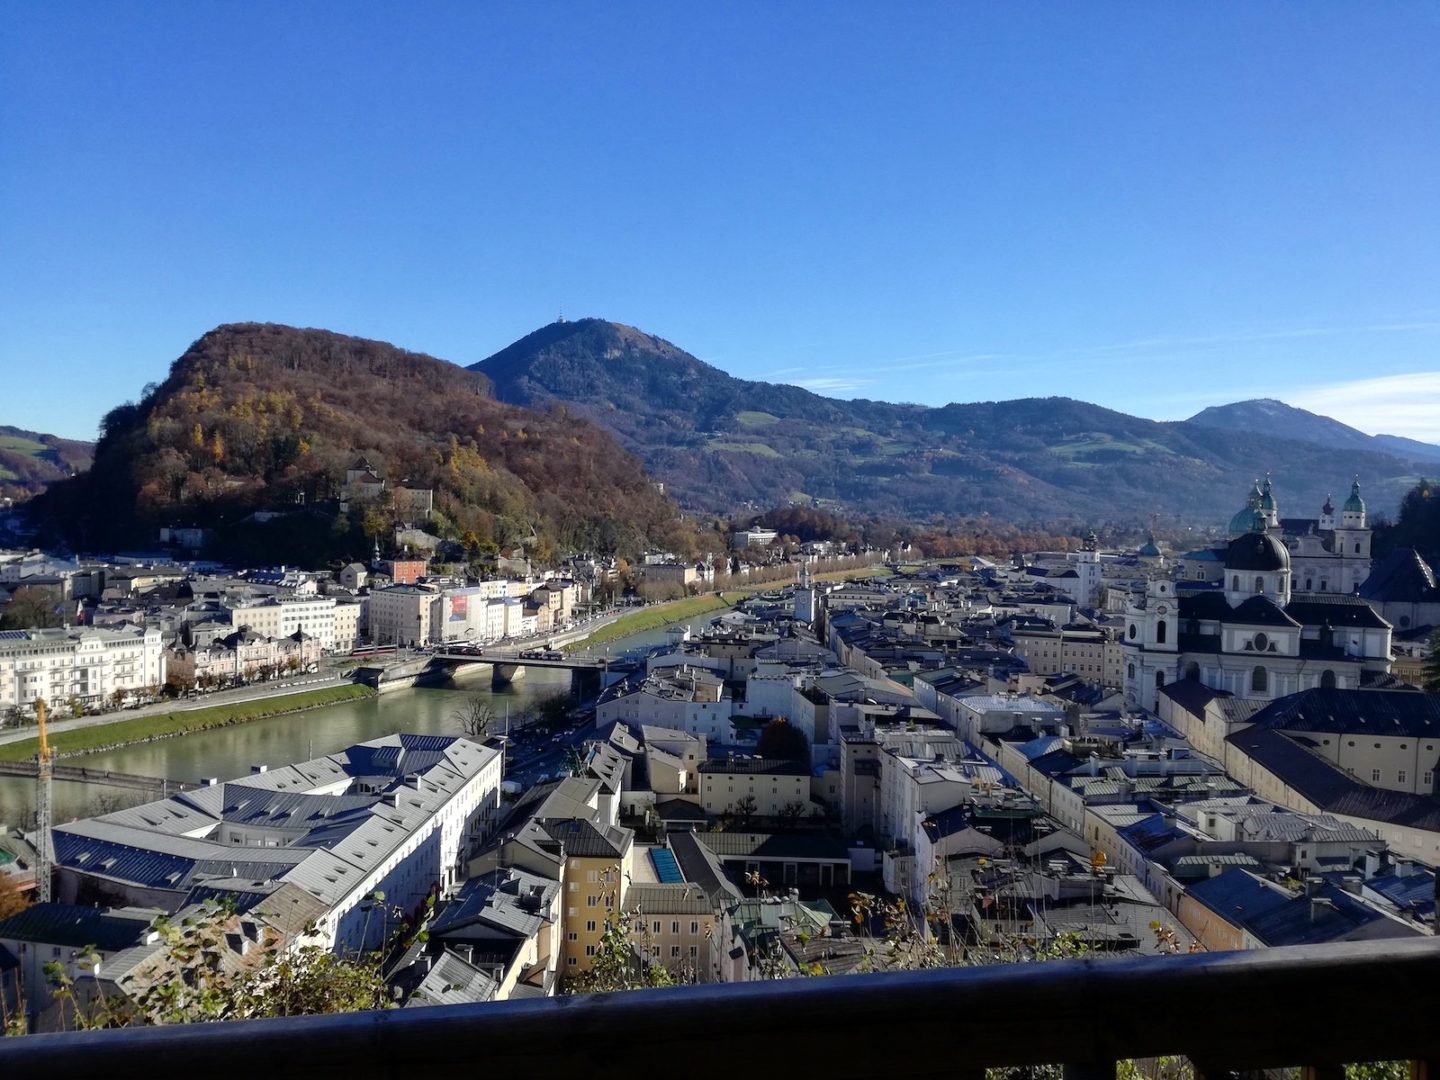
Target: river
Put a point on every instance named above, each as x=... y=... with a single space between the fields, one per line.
x=280 y=740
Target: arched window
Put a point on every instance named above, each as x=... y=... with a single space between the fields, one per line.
x=1192 y=671
x=1259 y=584
x=1327 y=680
x=1131 y=671
x=1159 y=678
x=1160 y=632
x=1357 y=549
x=1235 y=583
x=1259 y=681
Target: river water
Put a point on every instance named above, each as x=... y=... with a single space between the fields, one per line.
x=229 y=752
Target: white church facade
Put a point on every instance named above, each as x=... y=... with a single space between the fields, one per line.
x=1253 y=636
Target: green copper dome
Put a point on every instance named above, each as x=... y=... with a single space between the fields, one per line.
x=1355 y=504
x=1241 y=522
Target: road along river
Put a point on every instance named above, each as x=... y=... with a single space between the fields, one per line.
x=232 y=751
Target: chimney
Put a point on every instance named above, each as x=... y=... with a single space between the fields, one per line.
x=1312 y=885
x=257 y=769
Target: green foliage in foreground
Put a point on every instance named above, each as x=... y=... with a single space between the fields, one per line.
x=198 y=979
x=140 y=728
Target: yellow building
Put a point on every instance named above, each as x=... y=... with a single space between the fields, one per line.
x=598 y=864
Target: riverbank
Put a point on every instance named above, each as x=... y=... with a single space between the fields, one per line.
x=653 y=617
x=131 y=730
x=656 y=616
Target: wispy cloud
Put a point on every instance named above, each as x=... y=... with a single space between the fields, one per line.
x=839 y=385
x=1246 y=337
x=1390 y=404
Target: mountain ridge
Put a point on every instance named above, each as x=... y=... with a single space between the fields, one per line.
x=722 y=443
x=32 y=460
x=258 y=416
x=1305 y=426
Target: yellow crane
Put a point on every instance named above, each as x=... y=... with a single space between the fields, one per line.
x=44 y=846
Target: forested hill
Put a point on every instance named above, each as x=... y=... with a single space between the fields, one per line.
x=720 y=442
x=265 y=417
x=32 y=460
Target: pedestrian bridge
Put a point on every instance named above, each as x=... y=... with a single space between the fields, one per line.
x=79 y=775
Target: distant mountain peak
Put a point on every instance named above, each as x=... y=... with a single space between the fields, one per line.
x=720 y=442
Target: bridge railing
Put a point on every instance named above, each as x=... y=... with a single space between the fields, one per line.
x=1314 y=1007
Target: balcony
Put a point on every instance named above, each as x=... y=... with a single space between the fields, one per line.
x=1314 y=1007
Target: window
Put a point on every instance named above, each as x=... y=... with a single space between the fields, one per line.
x=572 y=912
x=1261 y=641
x=1427 y=778
x=1159 y=678
x=1235 y=583
x=1133 y=632
x=1160 y=630
x=573 y=936
x=590 y=925
x=694 y=952
x=1400 y=777
x=574 y=886
x=590 y=901
x=1357 y=548
x=592 y=876
x=1259 y=681
x=694 y=927
x=1259 y=584
x=1327 y=680
x=675 y=927
x=1375 y=775
x=1132 y=671
x=589 y=950
x=570 y=960
x=674 y=952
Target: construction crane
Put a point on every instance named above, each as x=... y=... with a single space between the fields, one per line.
x=44 y=846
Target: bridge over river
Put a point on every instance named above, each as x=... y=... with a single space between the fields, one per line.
x=589 y=674
x=77 y=774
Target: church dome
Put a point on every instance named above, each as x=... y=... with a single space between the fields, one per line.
x=1149 y=550
x=1257 y=550
x=1242 y=521
x=1355 y=504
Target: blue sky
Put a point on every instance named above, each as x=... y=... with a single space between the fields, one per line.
x=1155 y=207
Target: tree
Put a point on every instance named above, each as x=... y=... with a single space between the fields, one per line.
x=30 y=608
x=11 y=901
x=621 y=962
x=791 y=813
x=1431 y=674
x=199 y=977
x=743 y=810
x=781 y=739
x=475 y=718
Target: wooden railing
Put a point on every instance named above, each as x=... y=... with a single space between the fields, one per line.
x=1317 y=1007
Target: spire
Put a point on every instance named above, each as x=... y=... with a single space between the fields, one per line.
x=1355 y=504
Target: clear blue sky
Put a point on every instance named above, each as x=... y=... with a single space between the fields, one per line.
x=1152 y=206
